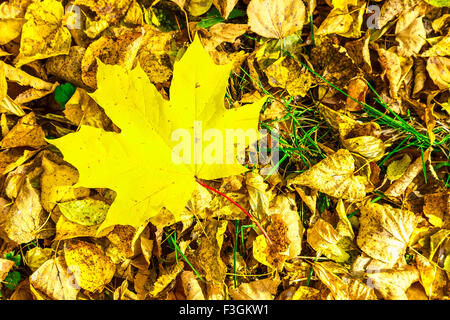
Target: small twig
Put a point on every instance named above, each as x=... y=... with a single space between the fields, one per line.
x=237 y=205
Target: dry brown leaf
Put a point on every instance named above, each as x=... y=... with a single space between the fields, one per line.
x=56 y=184
x=43 y=35
x=225 y=6
x=26 y=220
x=437 y=209
x=256 y=290
x=399 y=186
x=392 y=283
x=123 y=293
x=439 y=70
x=191 y=286
x=26 y=133
x=198 y=7
x=323 y=238
x=92 y=269
x=54 y=280
x=275 y=19
x=207 y=257
x=165 y=279
x=410 y=33
x=334 y=176
x=384 y=231
x=395 y=68
x=338 y=288
x=5 y=267
x=432 y=277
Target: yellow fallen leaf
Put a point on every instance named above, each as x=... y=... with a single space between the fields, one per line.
x=92 y=269
x=37 y=256
x=397 y=168
x=43 y=35
x=191 y=286
x=384 y=231
x=432 y=277
x=442 y=48
x=410 y=33
x=26 y=220
x=323 y=238
x=198 y=7
x=56 y=184
x=126 y=162
x=207 y=259
x=11 y=29
x=87 y=212
x=276 y=19
x=5 y=266
x=166 y=277
x=54 y=280
x=66 y=229
x=26 y=133
x=264 y=289
x=333 y=176
x=439 y=71
x=225 y=6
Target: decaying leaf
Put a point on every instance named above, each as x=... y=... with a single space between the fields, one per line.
x=54 y=280
x=191 y=286
x=37 y=256
x=5 y=267
x=256 y=290
x=384 y=231
x=25 y=220
x=275 y=19
x=43 y=35
x=323 y=238
x=90 y=266
x=26 y=133
x=87 y=212
x=334 y=176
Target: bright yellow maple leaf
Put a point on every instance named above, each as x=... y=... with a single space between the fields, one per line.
x=138 y=163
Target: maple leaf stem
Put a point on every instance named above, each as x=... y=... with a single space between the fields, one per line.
x=237 y=205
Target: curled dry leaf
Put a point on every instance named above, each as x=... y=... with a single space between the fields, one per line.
x=334 y=176
x=256 y=290
x=90 y=266
x=384 y=231
x=43 y=35
x=109 y=10
x=437 y=209
x=81 y=109
x=54 y=280
x=276 y=19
